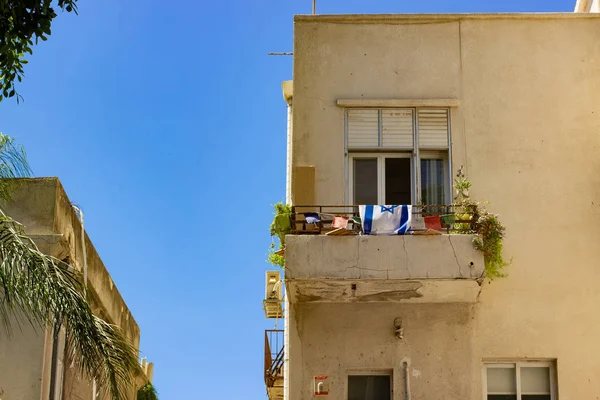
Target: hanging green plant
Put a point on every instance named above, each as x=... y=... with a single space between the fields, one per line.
x=281 y=226
x=488 y=228
x=490 y=233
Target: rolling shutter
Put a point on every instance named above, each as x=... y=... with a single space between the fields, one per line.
x=433 y=128
x=363 y=128
x=397 y=127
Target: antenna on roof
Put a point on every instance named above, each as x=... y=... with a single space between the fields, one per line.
x=314 y=11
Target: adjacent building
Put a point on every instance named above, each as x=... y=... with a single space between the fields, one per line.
x=385 y=109
x=34 y=364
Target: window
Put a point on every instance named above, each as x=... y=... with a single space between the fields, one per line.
x=520 y=381
x=398 y=155
x=369 y=387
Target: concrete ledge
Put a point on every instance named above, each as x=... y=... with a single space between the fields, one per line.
x=398 y=103
x=440 y=268
x=382 y=257
x=441 y=18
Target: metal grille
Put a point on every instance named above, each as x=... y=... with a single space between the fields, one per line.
x=455 y=219
x=274 y=351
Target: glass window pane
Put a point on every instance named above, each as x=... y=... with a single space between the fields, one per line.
x=433 y=179
x=365 y=181
x=536 y=397
x=397 y=181
x=362 y=387
x=535 y=380
x=501 y=380
x=502 y=397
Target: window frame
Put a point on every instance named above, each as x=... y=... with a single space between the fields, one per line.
x=366 y=372
x=517 y=365
x=428 y=154
x=380 y=157
x=416 y=152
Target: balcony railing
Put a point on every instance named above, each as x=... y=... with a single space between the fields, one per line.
x=274 y=351
x=435 y=218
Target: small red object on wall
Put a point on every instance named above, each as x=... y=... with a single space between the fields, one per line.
x=321 y=386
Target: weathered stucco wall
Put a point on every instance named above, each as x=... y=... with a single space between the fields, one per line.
x=45 y=211
x=382 y=257
x=339 y=339
x=527 y=130
x=430 y=269
x=21 y=361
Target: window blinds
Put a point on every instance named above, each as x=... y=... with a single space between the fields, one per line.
x=433 y=128
x=363 y=128
x=397 y=128
x=394 y=128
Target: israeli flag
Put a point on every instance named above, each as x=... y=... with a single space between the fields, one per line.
x=385 y=220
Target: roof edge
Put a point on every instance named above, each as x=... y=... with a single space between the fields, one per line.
x=399 y=18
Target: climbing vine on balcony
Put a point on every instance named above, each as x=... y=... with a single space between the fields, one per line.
x=281 y=226
x=490 y=231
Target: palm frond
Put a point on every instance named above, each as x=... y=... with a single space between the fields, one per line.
x=147 y=392
x=44 y=290
x=13 y=164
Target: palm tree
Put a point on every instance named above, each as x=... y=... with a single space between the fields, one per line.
x=147 y=392
x=48 y=293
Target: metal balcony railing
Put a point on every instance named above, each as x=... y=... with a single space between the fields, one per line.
x=274 y=351
x=446 y=218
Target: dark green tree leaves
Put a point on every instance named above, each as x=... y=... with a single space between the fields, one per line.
x=22 y=24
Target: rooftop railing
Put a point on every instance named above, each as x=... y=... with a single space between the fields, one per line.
x=345 y=219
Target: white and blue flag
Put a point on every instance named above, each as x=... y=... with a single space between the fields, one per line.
x=385 y=220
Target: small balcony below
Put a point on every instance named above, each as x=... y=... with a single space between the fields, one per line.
x=424 y=265
x=274 y=352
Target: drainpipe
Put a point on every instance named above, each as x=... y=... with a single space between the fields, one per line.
x=286 y=349
x=83 y=249
x=53 y=376
x=406 y=380
x=288 y=189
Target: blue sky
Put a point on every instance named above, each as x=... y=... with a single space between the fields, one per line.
x=166 y=123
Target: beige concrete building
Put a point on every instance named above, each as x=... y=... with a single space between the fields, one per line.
x=587 y=6
x=26 y=368
x=384 y=109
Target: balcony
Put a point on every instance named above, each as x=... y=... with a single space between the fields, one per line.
x=326 y=263
x=274 y=363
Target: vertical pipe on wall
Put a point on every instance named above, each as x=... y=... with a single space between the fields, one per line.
x=286 y=350
x=79 y=213
x=406 y=380
x=53 y=366
x=288 y=172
